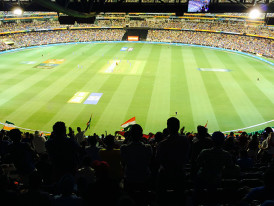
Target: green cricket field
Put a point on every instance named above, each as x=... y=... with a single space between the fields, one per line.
x=152 y=82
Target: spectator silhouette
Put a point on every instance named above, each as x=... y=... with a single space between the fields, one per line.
x=85 y=176
x=6 y=194
x=243 y=141
x=21 y=154
x=136 y=158
x=35 y=196
x=4 y=143
x=71 y=133
x=211 y=162
x=39 y=143
x=253 y=147
x=172 y=154
x=105 y=191
x=44 y=168
x=264 y=192
x=244 y=161
x=265 y=148
x=270 y=143
x=200 y=142
x=112 y=157
x=154 y=163
x=67 y=197
x=63 y=152
x=80 y=136
x=93 y=151
x=231 y=146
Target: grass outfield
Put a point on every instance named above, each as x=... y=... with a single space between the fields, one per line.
x=152 y=82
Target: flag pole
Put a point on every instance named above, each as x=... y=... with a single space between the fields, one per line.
x=88 y=123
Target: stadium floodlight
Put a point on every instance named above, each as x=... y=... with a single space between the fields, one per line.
x=17 y=11
x=254 y=13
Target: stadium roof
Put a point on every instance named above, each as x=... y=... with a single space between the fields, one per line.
x=86 y=8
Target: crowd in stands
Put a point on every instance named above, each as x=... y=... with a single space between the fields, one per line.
x=223 y=26
x=62 y=36
x=138 y=23
x=234 y=42
x=188 y=35
x=172 y=167
x=112 y=22
x=33 y=25
x=3 y=46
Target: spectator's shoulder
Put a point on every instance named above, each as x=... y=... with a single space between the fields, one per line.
x=123 y=147
x=206 y=151
x=182 y=139
x=148 y=146
x=163 y=142
x=226 y=152
x=255 y=193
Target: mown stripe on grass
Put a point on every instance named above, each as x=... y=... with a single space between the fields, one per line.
x=179 y=91
x=140 y=103
x=87 y=81
x=202 y=109
x=100 y=117
x=116 y=111
x=18 y=71
x=216 y=83
x=109 y=88
x=213 y=89
x=239 y=95
x=25 y=88
x=76 y=81
x=263 y=101
x=262 y=87
x=159 y=107
x=108 y=103
x=44 y=104
x=95 y=84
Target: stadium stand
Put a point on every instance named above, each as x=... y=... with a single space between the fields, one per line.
x=30 y=175
x=236 y=35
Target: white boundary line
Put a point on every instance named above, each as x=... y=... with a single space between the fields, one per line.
x=223 y=132
x=250 y=126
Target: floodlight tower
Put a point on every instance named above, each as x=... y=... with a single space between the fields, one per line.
x=18 y=10
x=255 y=12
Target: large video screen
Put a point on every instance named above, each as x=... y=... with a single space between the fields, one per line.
x=198 y=6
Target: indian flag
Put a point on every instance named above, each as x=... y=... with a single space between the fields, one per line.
x=8 y=126
x=126 y=125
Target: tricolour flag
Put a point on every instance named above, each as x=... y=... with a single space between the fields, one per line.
x=88 y=123
x=8 y=126
x=126 y=125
